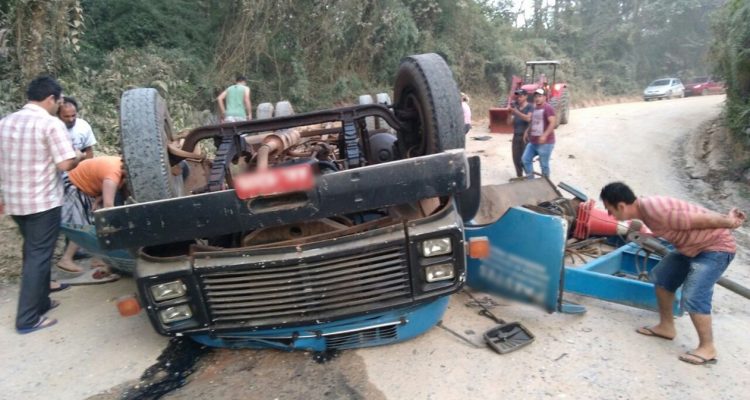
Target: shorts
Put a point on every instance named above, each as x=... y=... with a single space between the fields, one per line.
x=697 y=276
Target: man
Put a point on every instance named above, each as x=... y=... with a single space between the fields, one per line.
x=238 y=106
x=520 y=113
x=92 y=182
x=705 y=247
x=34 y=147
x=540 y=135
x=467 y=112
x=79 y=130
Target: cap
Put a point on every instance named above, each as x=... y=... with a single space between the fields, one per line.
x=521 y=92
x=539 y=91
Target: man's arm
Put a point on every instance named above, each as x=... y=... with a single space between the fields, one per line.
x=67 y=165
x=109 y=190
x=220 y=100
x=248 y=105
x=551 y=127
x=88 y=153
x=733 y=220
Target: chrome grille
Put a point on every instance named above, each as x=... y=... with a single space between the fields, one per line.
x=305 y=290
x=371 y=336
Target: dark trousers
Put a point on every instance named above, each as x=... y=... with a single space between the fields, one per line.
x=518 y=147
x=39 y=233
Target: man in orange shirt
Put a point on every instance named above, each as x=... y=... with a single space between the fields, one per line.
x=93 y=184
x=704 y=248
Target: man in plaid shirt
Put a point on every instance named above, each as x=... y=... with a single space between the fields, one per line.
x=34 y=148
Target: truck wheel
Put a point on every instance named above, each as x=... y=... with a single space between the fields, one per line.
x=369 y=121
x=145 y=131
x=283 y=109
x=565 y=107
x=428 y=103
x=264 y=111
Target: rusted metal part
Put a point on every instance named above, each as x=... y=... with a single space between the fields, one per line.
x=292 y=121
x=274 y=144
x=276 y=234
x=497 y=199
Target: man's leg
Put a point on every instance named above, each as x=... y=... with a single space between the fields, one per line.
x=667 y=276
x=66 y=262
x=527 y=159
x=545 y=152
x=705 y=269
x=517 y=152
x=40 y=232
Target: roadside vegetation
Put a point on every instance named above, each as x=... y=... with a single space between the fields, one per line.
x=320 y=53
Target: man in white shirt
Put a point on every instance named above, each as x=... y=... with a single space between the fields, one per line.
x=79 y=130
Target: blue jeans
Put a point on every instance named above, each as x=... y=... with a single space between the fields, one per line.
x=697 y=275
x=39 y=233
x=544 y=151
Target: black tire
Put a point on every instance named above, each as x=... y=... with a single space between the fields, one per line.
x=428 y=102
x=264 y=111
x=283 y=109
x=145 y=131
x=564 y=113
x=556 y=103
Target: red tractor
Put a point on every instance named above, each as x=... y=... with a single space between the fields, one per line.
x=558 y=95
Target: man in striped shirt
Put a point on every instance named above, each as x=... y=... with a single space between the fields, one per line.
x=34 y=148
x=704 y=248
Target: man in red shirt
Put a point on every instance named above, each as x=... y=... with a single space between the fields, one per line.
x=540 y=135
x=704 y=248
x=34 y=148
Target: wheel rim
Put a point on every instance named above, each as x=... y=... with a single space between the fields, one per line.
x=413 y=107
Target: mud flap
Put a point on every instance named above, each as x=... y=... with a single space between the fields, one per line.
x=526 y=258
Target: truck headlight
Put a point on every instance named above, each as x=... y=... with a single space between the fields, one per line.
x=438 y=272
x=168 y=290
x=436 y=247
x=176 y=313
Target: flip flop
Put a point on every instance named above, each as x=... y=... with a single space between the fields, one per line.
x=646 y=331
x=92 y=277
x=43 y=322
x=700 y=360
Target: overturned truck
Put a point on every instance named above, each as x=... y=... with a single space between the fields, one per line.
x=313 y=231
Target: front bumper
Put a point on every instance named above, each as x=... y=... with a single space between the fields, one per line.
x=240 y=291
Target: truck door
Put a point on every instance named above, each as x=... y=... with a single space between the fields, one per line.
x=526 y=247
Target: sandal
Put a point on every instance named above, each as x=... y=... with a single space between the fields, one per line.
x=43 y=322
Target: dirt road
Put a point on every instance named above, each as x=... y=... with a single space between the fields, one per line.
x=92 y=352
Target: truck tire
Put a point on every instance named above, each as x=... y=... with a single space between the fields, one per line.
x=369 y=121
x=283 y=109
x=382 y=99
x=145 y=132
x=565 y=107
x=428 y=103
x=264 y=111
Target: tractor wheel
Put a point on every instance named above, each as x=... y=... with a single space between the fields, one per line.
x=428 y=103
x=145 y=131
x=556 y=103
x=283 y=109
x=565 y=111
x=264 y=111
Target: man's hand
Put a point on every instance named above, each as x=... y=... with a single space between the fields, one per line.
x=543 y=139
x=736 y=218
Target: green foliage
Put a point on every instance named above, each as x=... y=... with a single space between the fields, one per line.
x=731 y=49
